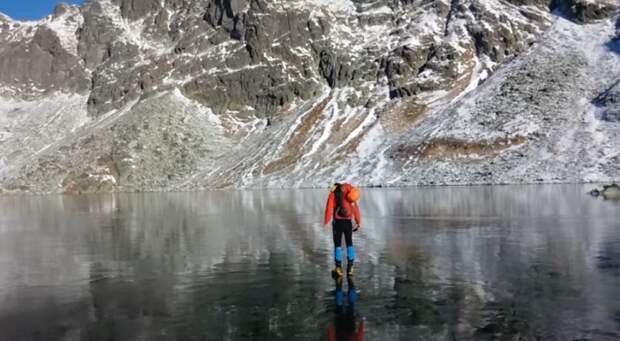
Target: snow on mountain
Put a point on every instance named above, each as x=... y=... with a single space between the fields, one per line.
x=65 y=23
x=29 y=128
x=533 y=121
x=150 y=95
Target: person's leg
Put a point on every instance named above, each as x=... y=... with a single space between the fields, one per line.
x=348 y=237
x=337 y=232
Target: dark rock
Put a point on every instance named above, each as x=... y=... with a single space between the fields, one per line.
x=588 y=11
x=401 y=68
x=327 y=67
x=609 y=102
x=263 y=88
x=95 y=36
x=135 y=9
x=334 y=70
x=227 y=14
x=495 y=39
x=584 y=11
x=541 y=3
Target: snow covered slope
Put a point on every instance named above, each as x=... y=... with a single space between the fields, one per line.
x=534 y=121
x=194 y=94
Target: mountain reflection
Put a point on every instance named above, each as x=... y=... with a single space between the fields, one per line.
x=435 y=263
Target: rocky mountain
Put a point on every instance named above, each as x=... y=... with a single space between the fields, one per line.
x=134 y=95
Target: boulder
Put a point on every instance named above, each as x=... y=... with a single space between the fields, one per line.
x=611 y=192
x=608 y=192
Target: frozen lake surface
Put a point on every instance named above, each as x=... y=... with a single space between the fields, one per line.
x=462 y=263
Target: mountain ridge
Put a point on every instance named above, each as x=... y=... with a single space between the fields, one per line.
x=290 y=94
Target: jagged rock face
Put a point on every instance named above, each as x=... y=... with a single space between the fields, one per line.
x=282 y=53
x=324 y=80
x=586 y=11
x=35 y=60
x=96 y=36
x=228 y=14
x=136 y=9
x=42 y=64
x=258 y=74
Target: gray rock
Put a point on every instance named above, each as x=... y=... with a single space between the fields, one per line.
x=227 y=14
x=41 y=65
x=96 y=36
x=401 y=68
x=263 y=88
x=334 y=70
x=135 y=9
x=496 y=39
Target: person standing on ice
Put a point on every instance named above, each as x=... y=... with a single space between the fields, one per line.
x=341 y=209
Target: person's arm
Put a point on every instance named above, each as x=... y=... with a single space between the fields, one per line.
x=357 y=215
x=329 y=209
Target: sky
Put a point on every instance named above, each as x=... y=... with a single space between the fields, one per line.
x=31 y=9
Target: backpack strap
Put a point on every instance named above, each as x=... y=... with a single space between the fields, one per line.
x=339 y=194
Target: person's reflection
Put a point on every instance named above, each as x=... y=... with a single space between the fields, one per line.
x=344 y=325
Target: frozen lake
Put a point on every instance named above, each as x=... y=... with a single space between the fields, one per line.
x=462 y=263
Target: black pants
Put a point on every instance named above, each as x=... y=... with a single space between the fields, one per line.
x=341 y=227
x=345 y=227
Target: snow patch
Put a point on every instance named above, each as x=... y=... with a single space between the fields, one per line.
x=336 y=6
x=31 y=127
x=65 y=27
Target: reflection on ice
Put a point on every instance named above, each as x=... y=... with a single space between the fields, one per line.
x=345 y=324
x=434 y=263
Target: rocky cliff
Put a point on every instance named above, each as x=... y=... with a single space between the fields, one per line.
x=194 y=94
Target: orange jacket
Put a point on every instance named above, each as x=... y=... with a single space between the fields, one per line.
x=351 y=207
